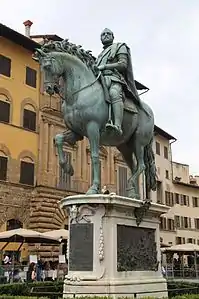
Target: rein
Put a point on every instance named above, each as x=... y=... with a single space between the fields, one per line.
x=84 y=87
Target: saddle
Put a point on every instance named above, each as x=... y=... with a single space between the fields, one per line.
x=129 y=105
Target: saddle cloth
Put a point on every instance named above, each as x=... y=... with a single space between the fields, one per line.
x=130 y=106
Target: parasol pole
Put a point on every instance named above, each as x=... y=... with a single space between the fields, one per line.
x=195 y=263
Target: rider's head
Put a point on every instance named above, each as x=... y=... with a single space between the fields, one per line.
x=107 y=37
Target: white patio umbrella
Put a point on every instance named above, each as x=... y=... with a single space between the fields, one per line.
x=189 y=247
x=58 y=234
x=21 y=235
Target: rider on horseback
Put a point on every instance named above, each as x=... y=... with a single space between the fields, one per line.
x=115 y=63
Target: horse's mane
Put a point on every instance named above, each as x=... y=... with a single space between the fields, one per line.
x=67 y=47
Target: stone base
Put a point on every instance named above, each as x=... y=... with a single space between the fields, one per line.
x=108 y=253
x=141 y=287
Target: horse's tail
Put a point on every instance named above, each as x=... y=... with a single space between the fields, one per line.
x=150 y=168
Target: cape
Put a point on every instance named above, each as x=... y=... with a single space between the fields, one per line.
x=128 y=76
x=126 y=79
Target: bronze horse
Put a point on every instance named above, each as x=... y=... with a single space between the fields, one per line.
x=86 y=113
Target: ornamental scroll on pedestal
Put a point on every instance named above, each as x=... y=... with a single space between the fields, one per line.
x=86 y=224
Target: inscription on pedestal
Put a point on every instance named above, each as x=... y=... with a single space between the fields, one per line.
x=81 y=247
x=136 y=249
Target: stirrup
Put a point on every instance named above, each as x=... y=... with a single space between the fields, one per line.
x=117 y=130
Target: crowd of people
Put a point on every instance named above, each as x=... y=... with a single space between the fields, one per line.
x=40 y=271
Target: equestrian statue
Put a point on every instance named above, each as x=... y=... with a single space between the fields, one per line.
x=100 y=101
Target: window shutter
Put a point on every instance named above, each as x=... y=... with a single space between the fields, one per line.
x=4 y=111
x=165 y=152
x=182 y=222
x=172 y=201
x=5 y=66
x=31 y=77
x=157 y=144
x=27 y=173
x=3 y=168
x=181 y=199
x=29 y=120
x=189 y=222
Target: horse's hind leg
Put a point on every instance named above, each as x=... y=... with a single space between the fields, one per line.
x=140 y=165
x=127 y=153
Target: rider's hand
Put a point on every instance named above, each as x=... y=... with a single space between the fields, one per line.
x=101 y=67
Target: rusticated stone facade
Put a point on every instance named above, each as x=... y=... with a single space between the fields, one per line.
x=15 y=201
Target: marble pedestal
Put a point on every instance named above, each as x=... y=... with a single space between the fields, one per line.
x=108 y=253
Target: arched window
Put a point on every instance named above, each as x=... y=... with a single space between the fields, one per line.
x=3 y=166
x=4 y=109
x=27 y=169
x=29 y=117
x=13 y=224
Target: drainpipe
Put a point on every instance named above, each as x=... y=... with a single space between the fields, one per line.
x=171 y=157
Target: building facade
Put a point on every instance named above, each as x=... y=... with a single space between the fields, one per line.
x=31 y=180
x=179 y=190
x=19 y=112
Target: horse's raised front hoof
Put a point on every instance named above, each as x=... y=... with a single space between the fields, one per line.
x=92 y=190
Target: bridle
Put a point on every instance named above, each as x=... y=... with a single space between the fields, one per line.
x=57 y=90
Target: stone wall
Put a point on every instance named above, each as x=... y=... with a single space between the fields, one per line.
x=15 y=203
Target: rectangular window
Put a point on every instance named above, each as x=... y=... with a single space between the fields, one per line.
x=186 y=222
x=177 y=198
x=195 y=202
x=169 y=198
x=163 y=223
x=178 y=240
x=171 y=224
x=29 y=120
x=184 y=200
x=167 y=174
x=4 y=112
x=157 y=145
x=64 y=178
x=177 y=221
x=27 y=173
x=122 y=178
x=3 y=168
x=196 y=223
x=166 y=152
x=31 y=77
x=159 y=193
x=5 y=66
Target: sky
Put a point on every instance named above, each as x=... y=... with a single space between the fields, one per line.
x=164 y=41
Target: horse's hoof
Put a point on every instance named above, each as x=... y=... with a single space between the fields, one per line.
x=68 y=168
x=92 y=190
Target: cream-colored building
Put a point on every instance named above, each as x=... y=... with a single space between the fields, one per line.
x=179 y=190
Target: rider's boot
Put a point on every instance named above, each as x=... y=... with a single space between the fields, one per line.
x=118 y=108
